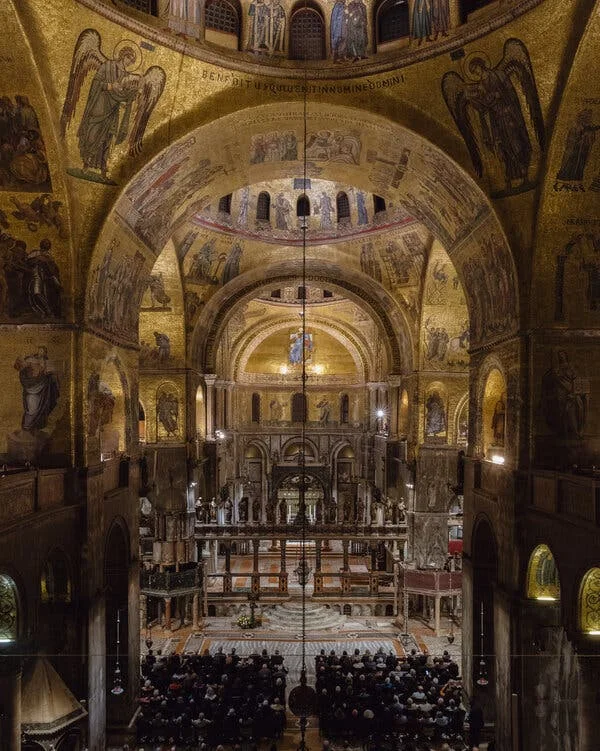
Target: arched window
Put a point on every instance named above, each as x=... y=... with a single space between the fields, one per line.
x=542 y=575
x=225 y=204
x=9 y=610
x=222 y=15
x=146 y=6
x=393 y=21
x=344 y=409
x=589 y=602
x=343 y=207
x=298 y=407
x=55 y=584
x=307 y=35
x=263 y=207
x=378 y=204
x=255 y=407
x=303 y=206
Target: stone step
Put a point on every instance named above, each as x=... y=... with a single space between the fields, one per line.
x=288 y=617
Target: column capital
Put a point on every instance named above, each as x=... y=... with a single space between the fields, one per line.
x=394 y=380
x=209 y=378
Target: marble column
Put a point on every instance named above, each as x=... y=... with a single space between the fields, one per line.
x=372 y=406
x=143 y=612
x=394 y=382
x=229 y=404
x=195 y=609
x=317 y=556
x=228 y=558
x=220 y=405
x=437 y=614
x=345 y=546
x=209 y=380
x=167 y=613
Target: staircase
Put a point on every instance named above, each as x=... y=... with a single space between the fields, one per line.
x=288 y=617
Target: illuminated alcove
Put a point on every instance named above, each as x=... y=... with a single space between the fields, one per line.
x=542 y=576
x=493 y=415
x=9 y=610
x=112 y=420
x=589 y=603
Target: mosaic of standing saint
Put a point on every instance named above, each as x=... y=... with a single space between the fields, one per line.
x=118 y=105
x=486 y=107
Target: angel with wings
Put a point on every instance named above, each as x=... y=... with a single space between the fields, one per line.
x=119 y=101
x=488 y=111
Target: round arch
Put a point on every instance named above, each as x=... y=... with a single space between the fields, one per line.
x=491 y=366
x=473 y=238
x=387 y=314
x=310 y=448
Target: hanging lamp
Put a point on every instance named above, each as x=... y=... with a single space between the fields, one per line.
x=302 y=699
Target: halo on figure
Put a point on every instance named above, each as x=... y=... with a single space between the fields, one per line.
x=128 y=44
x=469 y=62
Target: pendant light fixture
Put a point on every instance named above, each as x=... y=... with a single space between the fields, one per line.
x=302 y=699
x=117 y=688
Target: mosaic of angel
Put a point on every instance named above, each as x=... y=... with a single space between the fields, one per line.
x=119 y=101
x=492 y=99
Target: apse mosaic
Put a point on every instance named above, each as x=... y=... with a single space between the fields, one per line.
x=343 y=32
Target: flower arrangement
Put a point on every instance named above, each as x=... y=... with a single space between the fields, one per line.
x=248 y=621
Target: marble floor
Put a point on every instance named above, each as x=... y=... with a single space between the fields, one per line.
x=356 y=632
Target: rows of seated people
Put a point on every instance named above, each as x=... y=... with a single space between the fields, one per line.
x=201 y=701
x=382 y=699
